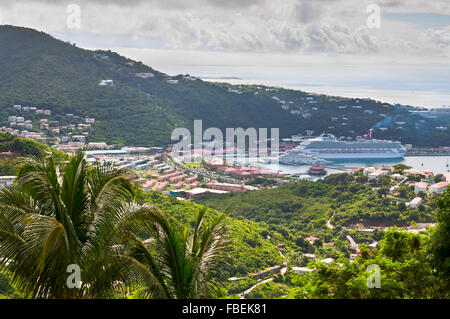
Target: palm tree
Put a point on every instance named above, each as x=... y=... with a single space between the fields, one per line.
x=57 y=216
x=178 y=264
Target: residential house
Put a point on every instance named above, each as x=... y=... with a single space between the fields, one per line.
x=311 y=239
x=438 y=188
x=415 y=203
x=420 y=187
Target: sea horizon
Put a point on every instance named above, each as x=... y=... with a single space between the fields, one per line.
x=424 y=85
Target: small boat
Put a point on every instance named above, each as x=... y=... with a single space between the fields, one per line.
x=317 y=170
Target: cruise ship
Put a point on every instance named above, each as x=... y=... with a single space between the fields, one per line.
x=328 y=147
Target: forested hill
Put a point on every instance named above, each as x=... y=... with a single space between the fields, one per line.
x=12 y=146
x=39 y=70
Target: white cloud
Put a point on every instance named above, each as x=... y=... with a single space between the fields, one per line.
x=291 y=26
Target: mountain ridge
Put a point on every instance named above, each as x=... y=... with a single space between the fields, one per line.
x=39 y=70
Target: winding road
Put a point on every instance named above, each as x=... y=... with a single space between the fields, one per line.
x=329 y=223
x=243 y=294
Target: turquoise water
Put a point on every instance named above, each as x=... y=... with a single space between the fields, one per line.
x=437 y=164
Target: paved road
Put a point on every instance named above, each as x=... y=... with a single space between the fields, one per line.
x=353 y=244
x=243 y=294
x=329 y=223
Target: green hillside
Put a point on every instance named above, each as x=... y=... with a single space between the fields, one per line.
x=41 y=71
x=250 y=250
x=301 y=209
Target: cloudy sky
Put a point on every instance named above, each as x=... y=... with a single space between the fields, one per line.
x=308 y=43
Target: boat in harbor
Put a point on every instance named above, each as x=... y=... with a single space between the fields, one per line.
x=317 y=170
x=328 y=147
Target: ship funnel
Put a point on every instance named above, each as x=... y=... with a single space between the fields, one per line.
x=369 y=135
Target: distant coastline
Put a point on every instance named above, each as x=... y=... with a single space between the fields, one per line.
x=209 y=78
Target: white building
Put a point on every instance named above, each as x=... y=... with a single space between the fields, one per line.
x=79 y=138
x=438 y=188
x=376 y=174
x=106 y=83
x=420 y=187
x=6 y=181
x=302 y=270
x=98 y=145
x=368 y=170
x=145 y=75
x=415 y=203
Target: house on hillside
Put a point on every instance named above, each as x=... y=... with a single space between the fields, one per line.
x=420 y=187
x=302 y=270
x=311 y=239
x=106 y=83
x=438 y=188
x=414 y=204
x=327 y=260
x=144 y=75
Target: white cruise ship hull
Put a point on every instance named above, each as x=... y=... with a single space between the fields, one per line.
x=349 y=155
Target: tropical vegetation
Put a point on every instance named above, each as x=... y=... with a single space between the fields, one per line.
x=60 y=217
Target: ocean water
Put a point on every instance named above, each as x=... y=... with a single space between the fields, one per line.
x=411 y=81
x=437 y=164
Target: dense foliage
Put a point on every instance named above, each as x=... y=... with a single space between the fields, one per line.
x=303 y=208
x=249 y=250
x=57 y=219
x=404 y=266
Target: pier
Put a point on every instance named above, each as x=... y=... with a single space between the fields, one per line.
x=437 y=151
